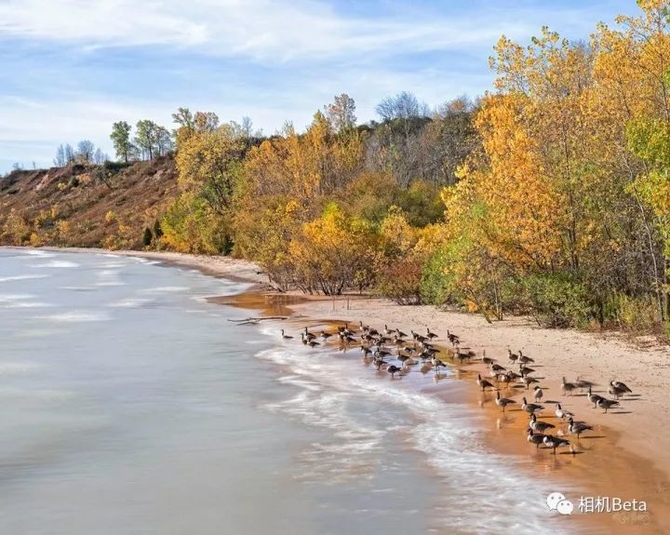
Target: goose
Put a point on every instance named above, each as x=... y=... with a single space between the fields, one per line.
x=325 y=335
x=577 y=428
x=393 y=370
x=554 y=442
x=419 y=338
x=309 y=335
x=621 y=386
x=437 y=364
x=430 y=334
x=540 y=426
x=453 y=338
x=567 y=387
x=562 y=413
x=404 y=359
x=388 y=331
x=537 y=394
x=606 y=404
x=528 y=381
x=497 y=368
x=535 y=438
x=286 y=336
x=483 y=383
x=503 y=378
x=462 y=356
x=309 y=341
x=531 y=407
x=378 y=362
x=512 y=356
x=487 y=360
x=366 y=351
x=615 y=391
x=381 y=352
x=594 y=398
x=523 y=370
x=503 y=402
x=523 y=359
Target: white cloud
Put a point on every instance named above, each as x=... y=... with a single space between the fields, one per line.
x=261 y=29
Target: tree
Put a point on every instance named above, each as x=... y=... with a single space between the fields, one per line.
x=341 y=113
x=404 y=105
x=60 y=159
x=70 y=155
x=146 y=137
x=85 y=151
x=99 y=157
x=121 y=139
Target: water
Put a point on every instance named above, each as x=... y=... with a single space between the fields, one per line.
x=130 y=405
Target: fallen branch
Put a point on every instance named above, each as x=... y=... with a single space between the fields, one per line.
x=254 y=321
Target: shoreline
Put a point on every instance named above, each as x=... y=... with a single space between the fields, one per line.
x=632 y=461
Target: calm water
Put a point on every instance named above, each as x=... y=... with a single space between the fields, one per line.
x=130 y=405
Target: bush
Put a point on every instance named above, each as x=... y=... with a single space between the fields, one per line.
x=558 y=300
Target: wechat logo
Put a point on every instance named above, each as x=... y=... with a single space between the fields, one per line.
x=558 y=502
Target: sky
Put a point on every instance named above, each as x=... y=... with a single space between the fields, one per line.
x=71 y=68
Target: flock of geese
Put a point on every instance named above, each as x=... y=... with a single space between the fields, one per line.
x=395 y=352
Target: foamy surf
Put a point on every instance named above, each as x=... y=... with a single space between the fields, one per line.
x=364 y=411
x=22 y=277
x=55 y=264
x=76 y=317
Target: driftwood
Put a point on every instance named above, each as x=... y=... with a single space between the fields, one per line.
x=255 y=321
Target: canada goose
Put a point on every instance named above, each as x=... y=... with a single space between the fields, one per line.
x=606 y=404
x=437 y=364
x=378 y=362
x=535 y=438
x=622 y=386
x=430 y=334
x=523 y=370
x=487 y=360
x=381 y=352
x=616 y=392
x=554 y=442
x=497 y=368
x=503 y=402
x=594 y=398
x=577 y=428
x=403 y=359
x=539 y=426
x=562 y=413
x=453 y=338
x=531 y=407
x=309 y=335
x=483 y=383
x=537 y=393
x=388 y=331
x=286 y=336
x=309 y=341
x=512 y=356
x=528 y=381
x=393 y=370
x=523 y=359
x=325 y=335
x=366 y=351
x=567 y=387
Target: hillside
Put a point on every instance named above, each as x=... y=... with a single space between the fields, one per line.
x=85 y=206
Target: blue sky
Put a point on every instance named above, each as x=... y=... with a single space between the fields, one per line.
x=70 y=68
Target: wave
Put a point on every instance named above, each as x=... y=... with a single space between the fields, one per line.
x=364 y=411
x=77 y=317
x=11 y=368
x=56 y=264
x=131 y=302
x=22 y=277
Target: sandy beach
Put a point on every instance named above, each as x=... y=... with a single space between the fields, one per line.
x=626 y=455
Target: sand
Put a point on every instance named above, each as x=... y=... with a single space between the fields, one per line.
x=628 y=453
